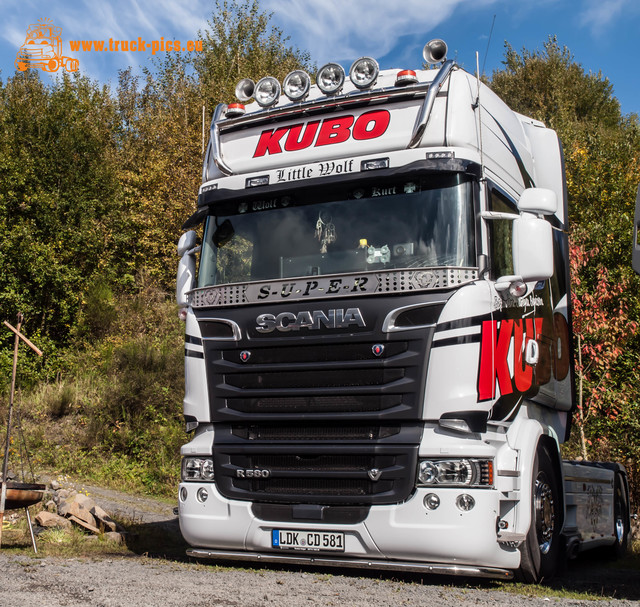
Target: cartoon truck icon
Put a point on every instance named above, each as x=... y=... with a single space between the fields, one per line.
x=43 y=48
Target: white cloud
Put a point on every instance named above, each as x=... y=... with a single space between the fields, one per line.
x=116 y=19
x=600 y=14
x=345 y=29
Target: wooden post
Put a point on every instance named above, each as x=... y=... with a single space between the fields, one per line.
x=5 y=464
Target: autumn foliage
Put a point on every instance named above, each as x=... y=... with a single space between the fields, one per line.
x=97 y=182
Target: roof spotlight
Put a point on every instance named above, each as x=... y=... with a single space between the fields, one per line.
x=364 y=72
x=296 y=85
x=330 y=78
x=267 y=92
x=244 y=89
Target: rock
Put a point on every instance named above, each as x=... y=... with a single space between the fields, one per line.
x=85 y=501
x=78 y=511
x=84 y=524
x=50 y=506
x=114 y=536
x=55 y=485
x=105 y=522
x=49 y=520
x=65 y=503
x=63 y=494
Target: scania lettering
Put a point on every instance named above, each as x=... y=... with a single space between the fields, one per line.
x=332 y=319
x=378 y=354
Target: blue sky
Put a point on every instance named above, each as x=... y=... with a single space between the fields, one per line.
x=601 y=34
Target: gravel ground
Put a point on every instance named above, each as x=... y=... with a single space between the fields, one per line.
x=141 y=581
x=145 y=577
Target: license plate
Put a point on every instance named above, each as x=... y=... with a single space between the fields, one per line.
x=307 y=540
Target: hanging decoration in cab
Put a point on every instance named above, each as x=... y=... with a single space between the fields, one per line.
x=325 y=230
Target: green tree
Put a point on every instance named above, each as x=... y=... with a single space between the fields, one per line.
x=57 y=196
x=161 y=120
x=602 y=156
x=241 y=43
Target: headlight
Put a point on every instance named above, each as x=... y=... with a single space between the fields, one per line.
x=455 y=473
x=364 y=72
x=330 y=78
x=267 y=92
x=197 y=469
x=296 y=85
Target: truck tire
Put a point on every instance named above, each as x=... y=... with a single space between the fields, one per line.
x=52 y=65
x=541 y=551
x=621 y=522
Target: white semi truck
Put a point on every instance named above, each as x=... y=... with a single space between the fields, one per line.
x=378 y=333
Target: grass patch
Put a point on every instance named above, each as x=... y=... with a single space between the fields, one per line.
x=114 y=416
x=542 y=591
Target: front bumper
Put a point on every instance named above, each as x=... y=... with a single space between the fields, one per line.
x=405 y=536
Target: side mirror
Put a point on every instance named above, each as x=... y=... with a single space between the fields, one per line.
x=187 y=241
x=533 y=236
x=538 y=201
x=532 y=245
x=186 y=267
x=532 y=248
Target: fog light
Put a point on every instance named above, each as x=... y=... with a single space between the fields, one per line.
x=267 y=92
x=465 y=502
x=183 y=494
x=330 y=78
x=431 y=501
x=202 y=495
x=296 y=85
x=364 y=72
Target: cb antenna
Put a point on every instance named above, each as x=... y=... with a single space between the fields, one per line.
x=486 y=52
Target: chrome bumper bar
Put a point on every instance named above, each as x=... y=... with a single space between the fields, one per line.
x=321 y=561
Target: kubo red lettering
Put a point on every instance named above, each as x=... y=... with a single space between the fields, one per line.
x=369 y=125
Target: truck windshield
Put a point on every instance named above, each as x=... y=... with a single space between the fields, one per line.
x=423 y=222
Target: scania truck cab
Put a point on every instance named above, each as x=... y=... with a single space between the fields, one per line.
x=378 y=351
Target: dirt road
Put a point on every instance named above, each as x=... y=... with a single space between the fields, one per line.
x=154 y=571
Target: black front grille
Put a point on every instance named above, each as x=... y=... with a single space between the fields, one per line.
x=315 y=432
x=352 y=474
x=318 y=419
x=321 y=488
x=296 y=513
x=339 y=403
x=269 y=380
x=340 y=378
x=308 y=463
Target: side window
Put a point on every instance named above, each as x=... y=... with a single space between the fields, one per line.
x=501 y=235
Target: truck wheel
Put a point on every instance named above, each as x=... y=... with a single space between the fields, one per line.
x=621 y=523
x=51 y=66
x=541 y=551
